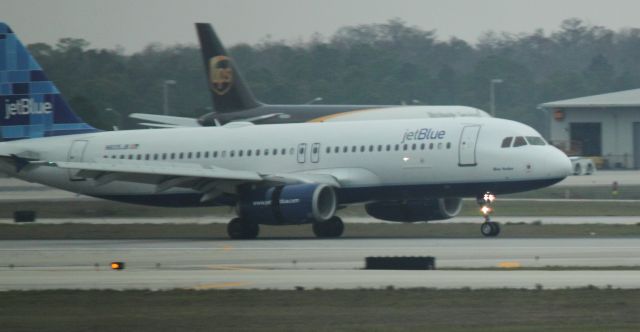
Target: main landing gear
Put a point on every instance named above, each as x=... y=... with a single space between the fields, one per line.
x=242 y=229
x=488 y=228
x=330 y=228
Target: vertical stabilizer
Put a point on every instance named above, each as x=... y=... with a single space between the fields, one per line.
x=228 y=90
x=31 y=105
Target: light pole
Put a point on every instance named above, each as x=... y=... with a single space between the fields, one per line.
x=165 y=94
x=493 y=94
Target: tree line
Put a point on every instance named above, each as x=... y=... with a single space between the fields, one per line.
x=388 y=63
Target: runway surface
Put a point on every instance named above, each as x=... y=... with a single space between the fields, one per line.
x=547 y=220
x=310 y=263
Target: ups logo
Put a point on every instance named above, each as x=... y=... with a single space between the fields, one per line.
x=220 y=74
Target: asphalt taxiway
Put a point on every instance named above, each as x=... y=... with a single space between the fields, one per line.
x=310 y=263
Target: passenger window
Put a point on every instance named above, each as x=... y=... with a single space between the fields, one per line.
x=249 y=153
x=370 y=148
x=507 y=142
x=422 y=146
x=353 y=148
x=231 y=154
x=155 y=156
x=362 y=148
x=379 y=148
x=388 y=147
x=404 y=147
x=413 y=146
x=336 y=149
x=130 y=156
x=519 y=141
x=534 y=140
x=448 y=145
x=328 y=150
x=430 y=146
x=139 y=157
x=258 y=152
x=181 y=156
x=189 y=155
x=198 y=155
x=240 y=153
x=164 y=156
x=114 y=157
x=397 y=147
x=266 y=152
x=206 y=154
x=146 y=156
x=283 y=151
x=215 y=154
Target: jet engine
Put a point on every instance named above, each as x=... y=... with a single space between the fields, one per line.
x=415 y=210
x=288 y=205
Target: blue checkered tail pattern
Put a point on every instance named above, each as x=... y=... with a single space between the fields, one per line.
x=30 y=104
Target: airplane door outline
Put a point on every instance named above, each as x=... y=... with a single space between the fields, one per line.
x=467 y=146
x=302 y=153
x=76 y=153
x=315 y=152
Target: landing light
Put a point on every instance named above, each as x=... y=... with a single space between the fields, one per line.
x=486 y=210
x=489 y=198
x=405 y=159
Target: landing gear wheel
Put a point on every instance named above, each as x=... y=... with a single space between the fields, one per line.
x=333 y=227
x=490 y=228
x=240 y=229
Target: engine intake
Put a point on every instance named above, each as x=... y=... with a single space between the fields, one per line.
x=288 y=205
x=415 y=210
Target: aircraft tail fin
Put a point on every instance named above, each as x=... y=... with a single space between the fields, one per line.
x=228 y=90
x=31 y=104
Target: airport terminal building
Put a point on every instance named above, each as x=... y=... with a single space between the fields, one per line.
x=605 y=126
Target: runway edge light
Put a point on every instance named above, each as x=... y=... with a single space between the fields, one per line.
x=117 y=265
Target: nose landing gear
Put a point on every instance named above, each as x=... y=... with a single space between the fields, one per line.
x=488 y=228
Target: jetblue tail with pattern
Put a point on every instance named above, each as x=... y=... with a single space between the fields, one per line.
x=31 y=105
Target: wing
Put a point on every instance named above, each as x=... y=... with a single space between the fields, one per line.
x=212 y=181
x=165 y=121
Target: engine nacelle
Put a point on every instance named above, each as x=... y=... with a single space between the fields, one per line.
x=288 y=205
x=415 y=210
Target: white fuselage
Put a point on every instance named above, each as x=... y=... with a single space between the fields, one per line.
x=372 y=160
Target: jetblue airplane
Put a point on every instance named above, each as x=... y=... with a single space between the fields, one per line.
x=233 y=100
x=280 y=174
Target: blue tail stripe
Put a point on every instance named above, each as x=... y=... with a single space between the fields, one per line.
x=30 y=105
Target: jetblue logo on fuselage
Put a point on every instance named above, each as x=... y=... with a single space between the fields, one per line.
x=26 y=106
x=423 y=134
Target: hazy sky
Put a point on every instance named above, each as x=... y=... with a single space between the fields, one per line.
x=134 y=24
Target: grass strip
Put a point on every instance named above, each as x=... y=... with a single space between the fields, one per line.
x=584 y=309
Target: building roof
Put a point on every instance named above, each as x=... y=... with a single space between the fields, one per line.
x=627 y=98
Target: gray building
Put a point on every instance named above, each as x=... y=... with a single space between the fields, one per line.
x=605 y=126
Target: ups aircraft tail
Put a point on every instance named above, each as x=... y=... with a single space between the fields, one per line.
x=31 y=104
x=228 y=90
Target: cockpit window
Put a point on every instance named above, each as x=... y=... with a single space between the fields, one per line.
x=519 y=141
x=507 y=142
x=535 y=140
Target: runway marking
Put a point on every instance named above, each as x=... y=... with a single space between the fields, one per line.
x=509 y=265
x=221 y=285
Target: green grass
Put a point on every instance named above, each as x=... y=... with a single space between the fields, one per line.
x=218 y=231
x=586 y=309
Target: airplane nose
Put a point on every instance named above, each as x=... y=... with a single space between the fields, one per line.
x=561 y=164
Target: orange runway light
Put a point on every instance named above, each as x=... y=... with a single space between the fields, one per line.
x=117 y=265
